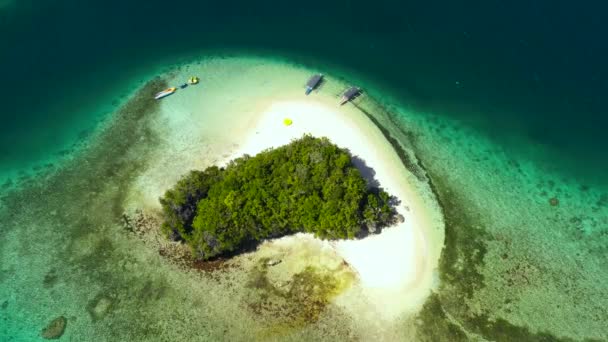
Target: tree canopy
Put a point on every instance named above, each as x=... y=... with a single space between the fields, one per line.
x=309 y=185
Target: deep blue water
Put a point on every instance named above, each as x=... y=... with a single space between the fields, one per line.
x=531 y=69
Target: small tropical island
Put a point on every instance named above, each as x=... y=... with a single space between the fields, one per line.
x=309 y=186
x=305 y=210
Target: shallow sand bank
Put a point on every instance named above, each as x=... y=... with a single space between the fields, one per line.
x=396 y=266
x=65 y=250
x=239 y=108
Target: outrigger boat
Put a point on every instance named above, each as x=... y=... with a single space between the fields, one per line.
x=313 y=82
x=350 y=94
x=164 y=93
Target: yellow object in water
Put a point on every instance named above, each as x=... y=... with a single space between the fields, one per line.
x=287 y=122
x=193 y=80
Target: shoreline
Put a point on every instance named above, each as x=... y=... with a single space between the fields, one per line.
x=78 y=257
x=395 y=267
x=239 y=109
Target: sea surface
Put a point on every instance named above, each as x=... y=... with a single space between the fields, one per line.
x=519 y=69
x=514 y=90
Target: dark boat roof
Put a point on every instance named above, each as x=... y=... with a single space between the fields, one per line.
x=312 y=82
x=352 y=91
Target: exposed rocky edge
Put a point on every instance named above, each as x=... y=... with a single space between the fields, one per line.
x=55 y=329
x=146 y=226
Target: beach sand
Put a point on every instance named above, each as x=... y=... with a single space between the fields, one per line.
x=396 y=266
x=67 y=252
x=239 y=108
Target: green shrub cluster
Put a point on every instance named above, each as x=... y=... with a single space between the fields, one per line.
x=310 y=185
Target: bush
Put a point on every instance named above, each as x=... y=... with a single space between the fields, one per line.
x=309 y=186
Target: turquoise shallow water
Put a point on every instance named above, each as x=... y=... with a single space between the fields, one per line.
x=536 y=237
x=510 y=253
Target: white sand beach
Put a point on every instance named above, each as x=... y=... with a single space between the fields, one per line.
x=395 y=266
x=239 y=108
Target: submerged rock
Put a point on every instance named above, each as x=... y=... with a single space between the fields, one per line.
x=554 y=201
x=55 y=329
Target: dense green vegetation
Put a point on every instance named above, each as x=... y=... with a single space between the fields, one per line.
x=309 y=186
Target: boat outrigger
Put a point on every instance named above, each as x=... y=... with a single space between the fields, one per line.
x=350 y=94
x=313 y=82
x=164 y=93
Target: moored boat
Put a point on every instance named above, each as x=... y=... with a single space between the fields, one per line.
x=350 y=94
x=164 y=93
x=313 y=82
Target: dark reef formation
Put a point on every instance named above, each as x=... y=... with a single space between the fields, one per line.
x=55 y=328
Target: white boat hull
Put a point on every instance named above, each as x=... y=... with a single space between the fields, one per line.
x=164 y=93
